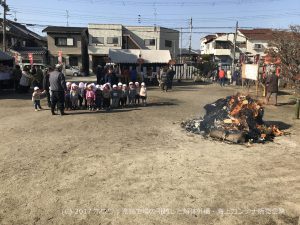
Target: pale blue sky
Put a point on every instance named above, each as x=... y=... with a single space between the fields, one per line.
x=209 y=16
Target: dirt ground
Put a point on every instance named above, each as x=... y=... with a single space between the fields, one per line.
x=137 y=166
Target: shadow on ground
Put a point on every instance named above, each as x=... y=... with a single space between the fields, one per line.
x=281 y=125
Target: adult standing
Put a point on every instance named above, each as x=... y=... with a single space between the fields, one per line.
x=222 y=77
x=236 y=77
x=25 y=81
x=58 y=88
x=99 y=74
x=46 y=84
x=133 y=75
x=170 y=77
x=228 y=76
x=272 y=86
x=17 y=74
x=164 y=79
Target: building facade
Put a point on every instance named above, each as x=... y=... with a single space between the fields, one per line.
x=103 y=37
x=69 y=43
x=20 y=42
x=250 y=45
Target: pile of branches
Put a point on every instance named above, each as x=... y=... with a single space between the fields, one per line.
x=236 y=119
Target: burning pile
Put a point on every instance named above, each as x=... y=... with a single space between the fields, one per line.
x=235 y=119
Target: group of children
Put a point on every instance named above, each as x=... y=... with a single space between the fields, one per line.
x=97 y=97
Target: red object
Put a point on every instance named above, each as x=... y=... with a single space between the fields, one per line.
x=16 y=58
x=30 y=56
x=278 y=70
x=221 y=73
x=60 y=57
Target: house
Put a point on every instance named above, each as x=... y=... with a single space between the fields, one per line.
x=249 y=44
x=69 y=44
x=187 y=56
x=103 y=37
x=256 y=42
x=20 y=42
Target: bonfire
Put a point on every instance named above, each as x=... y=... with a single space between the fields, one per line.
x=237 y=119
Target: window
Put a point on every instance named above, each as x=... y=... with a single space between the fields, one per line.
x=149 y=42
x=168 y=43
x=98 y=40
x=113 y=40
x=258 y=46
x=63 y=41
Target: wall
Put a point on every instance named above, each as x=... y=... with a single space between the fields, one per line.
x=171 y=35
x=104 y=30
x=66 y=50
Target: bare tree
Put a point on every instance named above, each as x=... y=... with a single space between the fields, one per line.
x=286 y=47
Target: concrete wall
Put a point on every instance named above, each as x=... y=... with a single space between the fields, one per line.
x=66 y=50
x=104 y=30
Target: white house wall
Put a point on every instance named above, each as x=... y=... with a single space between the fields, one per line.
x=104 y=30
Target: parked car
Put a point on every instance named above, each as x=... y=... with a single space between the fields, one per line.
x=37 y=65
x=72 y=71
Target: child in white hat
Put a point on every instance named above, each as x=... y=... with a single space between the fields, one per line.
x=36 y=98
x=137 y=95
x=132 y=93
x=90 y=97
x=115 y=96
x=143 y=93
x=68 y=103
x=124 y=95
x=106 y=96
x=74 y=95
x=99 y=97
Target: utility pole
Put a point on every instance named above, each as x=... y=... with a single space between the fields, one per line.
x=191 y=31
x=67 y=11
x=234 y=48
x=5 y=10
x=180 y=45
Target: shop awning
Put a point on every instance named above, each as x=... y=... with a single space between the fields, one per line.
x=132 y=56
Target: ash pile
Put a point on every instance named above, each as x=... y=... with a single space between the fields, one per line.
x=236 y=119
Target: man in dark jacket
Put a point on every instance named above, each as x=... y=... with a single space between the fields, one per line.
x=272 y=86
x=170 y=76
x=58 y=89
x=46 y=84
x=99 y=74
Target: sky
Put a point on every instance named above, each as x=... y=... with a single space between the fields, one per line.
x=208 y=16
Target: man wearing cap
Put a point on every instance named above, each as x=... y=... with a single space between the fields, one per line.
x=58 y=89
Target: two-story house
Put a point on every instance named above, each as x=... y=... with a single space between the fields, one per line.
x=69 y=43
x=21 y=41
x=103 y=37
x=249 y=44
x=256 y=42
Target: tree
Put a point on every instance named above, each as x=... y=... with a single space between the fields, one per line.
x=286 y=47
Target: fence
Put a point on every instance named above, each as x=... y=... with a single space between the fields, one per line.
x=184 y=71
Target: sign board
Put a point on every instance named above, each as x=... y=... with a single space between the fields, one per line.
x=30 y=56
x=250 y=71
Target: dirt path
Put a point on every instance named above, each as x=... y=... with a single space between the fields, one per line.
x=137 y=166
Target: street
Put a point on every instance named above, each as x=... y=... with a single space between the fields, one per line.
x=138 y=166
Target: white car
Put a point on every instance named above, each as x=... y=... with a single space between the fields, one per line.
x=72 y=71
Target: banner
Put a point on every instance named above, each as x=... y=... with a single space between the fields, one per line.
x=30 y=56
x=59 y=57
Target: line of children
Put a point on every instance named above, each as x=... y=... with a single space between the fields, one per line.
x=97 y=97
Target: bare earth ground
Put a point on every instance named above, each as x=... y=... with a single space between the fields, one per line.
x=137 y=166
